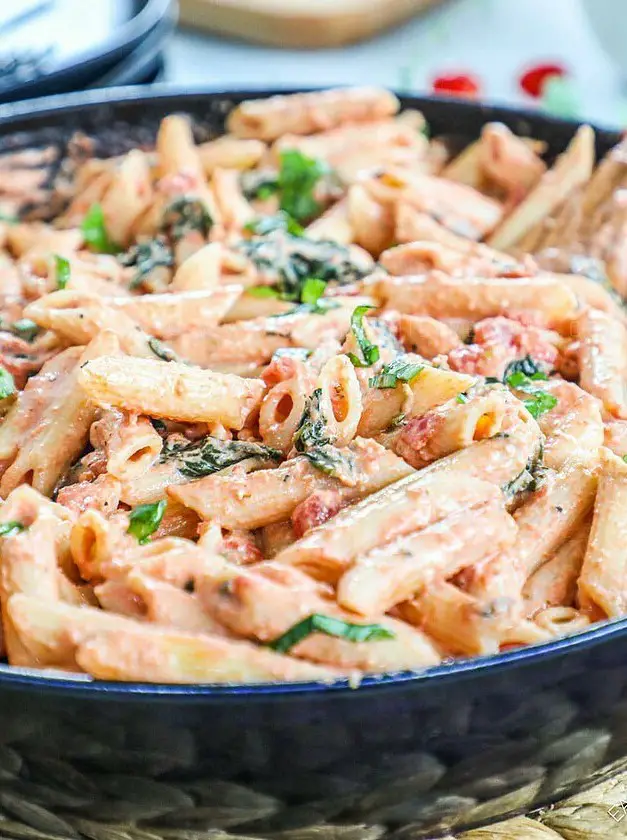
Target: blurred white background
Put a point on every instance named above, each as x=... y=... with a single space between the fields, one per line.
x=493 y=39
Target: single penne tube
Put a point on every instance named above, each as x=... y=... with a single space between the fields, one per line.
x=441 y=296
x=235 y=210
x=201 y=271
x=603 y=360
x=407 y=505
x=451 y=426
x=268 y=496
x=131 y=446
x=170 y=606
x=590 y=293
x=177 y=153
x=574 y=427
x=231 y=153
x=39 y=392
x=248 y=306
x=333 y=224
x=306 y=113
x=282 y=409
x=169 y=315
x=62 y=432
x=601 y=583
x=148 y=654
x=456 y=620
x=368 y=144
x=426 y=336
x=22 y=238
x=128 y=195
x=430 y=388
x=508 y=163
x=264 y=606
x=572 y=169
x=79 y=318
x=465 y=168
x=371 y=222
x=554 y=583
x=552 y=513
x=562 y=621
x=465 y=257
x=28 y=566
x=171 y=390
x=384 y=577
x=457 y=207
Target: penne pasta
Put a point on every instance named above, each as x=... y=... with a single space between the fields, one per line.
x=170 y=390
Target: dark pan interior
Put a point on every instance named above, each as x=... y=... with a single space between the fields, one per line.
x=119 y=120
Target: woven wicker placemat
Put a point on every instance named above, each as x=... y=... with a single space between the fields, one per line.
x=600 y=812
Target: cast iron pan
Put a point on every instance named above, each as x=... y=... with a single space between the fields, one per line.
x=402 y=757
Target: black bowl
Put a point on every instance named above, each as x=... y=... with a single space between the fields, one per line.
x=410 y=755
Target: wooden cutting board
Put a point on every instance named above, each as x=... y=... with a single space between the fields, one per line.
x=300 y=23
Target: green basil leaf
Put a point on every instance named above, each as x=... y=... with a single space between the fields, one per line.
x=184 y=215
x=95 y=233
x=210 y=455
x=312 y=289
x=263 y=292
x=268 y=224
x=145 y=519
x=462 y=398
x=398 y=370
x=369 y=350
x=298 y=176
x=26 y=329
x=526 y=367
x=62 y=270
x=10 y=529
x=539 y=403
x=330 y=626
x=7 y=383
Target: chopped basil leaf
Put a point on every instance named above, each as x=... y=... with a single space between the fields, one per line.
x=210 y=455
x=312 y=439
x=145 y=519
x=145 y=257
x=539 y=403
x=311 y=290
x=161 y=351
x=62 y=270
x=526 y=367
x=625 y=458
x=10 y=529
x=330 y=626
x=261 y=184
x=312 y=429
x=520 y=375
x=398 y=370
x=263 y=292
x=298 y=176
x=492 y=380
x=462 y=398
x=369 y=350
x=7 y=383
x=95 y=233
x=331 y=461
x=286 y=262
x=268 y=224
x=185 y=215
x=26 y=329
